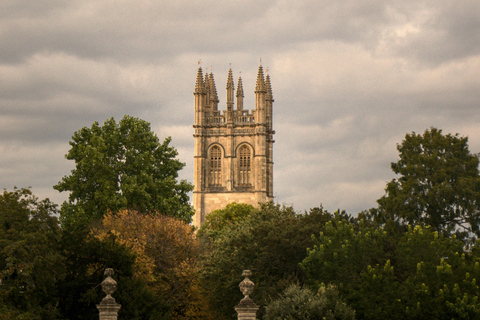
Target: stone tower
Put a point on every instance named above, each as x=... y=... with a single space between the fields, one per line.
x=233 y=148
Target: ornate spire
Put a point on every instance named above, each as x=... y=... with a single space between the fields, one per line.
x=260 y=85
x=230 y=79
x=213 y=88
x=240 y=88
x=230 y=88
x=207 y=83
x=240 y=94
x=199 y=85
x=268 y=87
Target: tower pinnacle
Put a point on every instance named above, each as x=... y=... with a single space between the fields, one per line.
x=230 y=88
x=199 y=84
x=240 y=94
x=260 y=85
x=268 y=88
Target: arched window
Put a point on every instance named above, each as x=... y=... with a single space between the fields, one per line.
x=244 y=166
x=215 y=167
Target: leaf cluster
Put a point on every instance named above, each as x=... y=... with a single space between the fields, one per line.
x=298 y=303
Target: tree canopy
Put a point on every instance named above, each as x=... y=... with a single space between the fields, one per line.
x=31 y=263
x=166 y=253
x=298 y=303
x=271 y=241
x=416 y=274
x=438 y=184
x=124 y=165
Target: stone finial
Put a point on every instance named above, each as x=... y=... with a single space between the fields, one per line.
x=109 y=285
x=246 y=286
x=108 y=307
x=246 y=309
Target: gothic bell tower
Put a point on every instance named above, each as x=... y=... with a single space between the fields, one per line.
x=233 y=148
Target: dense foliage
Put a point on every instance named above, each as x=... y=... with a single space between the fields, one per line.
x=124 y=165
x=298 y=303
x=417 y=274
x=439 y=184
x=166 y=258
x=30 y=261
x=270 y=241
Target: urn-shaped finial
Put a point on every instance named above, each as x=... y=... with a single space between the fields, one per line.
x=109 y=285
x=108 y=307
x=246 y=286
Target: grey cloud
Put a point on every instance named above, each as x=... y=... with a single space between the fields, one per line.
x=349 y=80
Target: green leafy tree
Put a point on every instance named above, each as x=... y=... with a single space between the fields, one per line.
x=219 y=220
x=270 y=241
x=438 y=184
x=298 y=303
x=30 y=261
x=124 y=165
x=417 y=274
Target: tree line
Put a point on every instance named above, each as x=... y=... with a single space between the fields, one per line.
x=414 y=256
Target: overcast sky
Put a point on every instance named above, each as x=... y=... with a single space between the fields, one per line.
x=350 y=78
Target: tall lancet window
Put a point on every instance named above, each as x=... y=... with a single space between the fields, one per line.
x=215 y=167
x=244 y=166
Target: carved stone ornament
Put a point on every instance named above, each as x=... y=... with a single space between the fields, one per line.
x=246 y=286
x=246 y=309
x=109 y=285
x=108 y=307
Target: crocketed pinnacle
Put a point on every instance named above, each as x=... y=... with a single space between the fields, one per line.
x=199 y=85
x=230 y=79
x=260 y=85
x=207 y=83
x=268 y=87
x=213 y=88
x=240 y=88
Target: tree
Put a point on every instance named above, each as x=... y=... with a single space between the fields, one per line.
x=298 y=303
x=166 y=253
x=271 y=241
x=31 y=264
x=439 y=184
x=124 y=166
x=417 y=274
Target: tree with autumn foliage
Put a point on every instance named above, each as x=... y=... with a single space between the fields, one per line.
x=166 y=253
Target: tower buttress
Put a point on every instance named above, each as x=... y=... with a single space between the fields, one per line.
x=199 y=156
x=269 y=103
x=269 y=141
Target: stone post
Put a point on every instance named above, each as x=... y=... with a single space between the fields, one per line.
x=108 y=307
x=246 y=309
